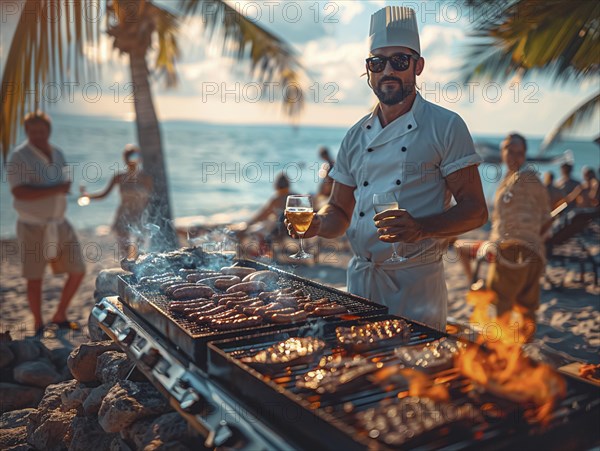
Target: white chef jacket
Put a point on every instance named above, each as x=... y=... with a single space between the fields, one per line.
x=412 y=156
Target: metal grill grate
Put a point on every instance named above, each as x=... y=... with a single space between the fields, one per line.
x=499 y=420
x=355 y=305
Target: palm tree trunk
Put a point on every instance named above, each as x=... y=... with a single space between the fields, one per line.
x=161 y=230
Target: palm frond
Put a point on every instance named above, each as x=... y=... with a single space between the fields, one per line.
x=46 y=28
x=271 y=59
x=167 y=26
x=580 y=114
x=557 y=37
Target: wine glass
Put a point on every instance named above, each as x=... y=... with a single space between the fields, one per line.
x=383 y=202
x=299 y=211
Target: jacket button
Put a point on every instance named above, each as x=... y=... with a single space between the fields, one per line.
x=409 y=126
x=361 y=214
x=370 y=149
x=366 y=184
x=403 y=149
x=368 y=127
x=398 y=182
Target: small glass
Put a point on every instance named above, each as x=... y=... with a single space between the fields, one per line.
x=383 y=202
x=84 y=199
x=299 y=211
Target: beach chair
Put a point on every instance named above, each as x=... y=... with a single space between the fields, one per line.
x=567 y=246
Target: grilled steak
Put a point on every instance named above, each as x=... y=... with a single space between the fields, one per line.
x=431 y=357
x=371 y=335
x=293 y=351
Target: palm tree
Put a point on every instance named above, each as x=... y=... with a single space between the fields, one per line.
x=48 y=46
x=555 y=37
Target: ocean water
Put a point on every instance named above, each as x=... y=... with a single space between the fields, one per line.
x=223 y=172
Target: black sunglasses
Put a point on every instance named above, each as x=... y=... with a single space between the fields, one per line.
x=399 y=62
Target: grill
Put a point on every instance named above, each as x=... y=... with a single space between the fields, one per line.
x=192 y=338
x=234 y=405
x=331 y=422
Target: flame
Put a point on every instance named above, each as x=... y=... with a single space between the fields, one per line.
x=420 y=384
x=496 y=361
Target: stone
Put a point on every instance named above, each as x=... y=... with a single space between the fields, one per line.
x=49 y=426
x=59 y=357
x=170 y=429
x=52 y=430
x=128 y=402
x=53 y=395
x=92 y=403
x=88 y=435
x=134 y=433
x=13 y=430
x=82 y=360
x=113 y=366
x=40 y=373
x=14 y=418
x=74 y=397
x=15 y=396
x=6 y=355
x=118 y=444
x=24 y=350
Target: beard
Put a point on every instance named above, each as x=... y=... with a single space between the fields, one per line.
x=392 y=96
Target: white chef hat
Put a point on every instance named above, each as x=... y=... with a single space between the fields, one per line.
x=394 y=26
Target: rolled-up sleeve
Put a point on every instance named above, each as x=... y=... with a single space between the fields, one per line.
x=16 y=172
x=459 y=151
x=341 y=169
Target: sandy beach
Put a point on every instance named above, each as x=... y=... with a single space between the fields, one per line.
x=568 y=320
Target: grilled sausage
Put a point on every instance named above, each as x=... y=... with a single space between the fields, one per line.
x=167 y=283
x=204 y=318
x=185 y=271
x=272 y=306
x=199 y=275
x=239 y=271
x=240 y=323
x=243 y=302
x=178 y=306
x=208 y=313
x=200 y=309
x=249 y=309
x=333 y=309
x=284 y=318
x=248 y=287
x=266 y=276
x=195 y=291
x=239 y=294
x=310 y=306
x=225 y=282
x=153 y=278
x=272 y=312
x=174 y=286
x=225 y=300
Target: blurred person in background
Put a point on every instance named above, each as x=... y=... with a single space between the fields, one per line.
x=520 y=219
x=266 y=226
x=567 y=184
x=38 y=177
x=555 y=194
x=589 y=189
x=135 y=187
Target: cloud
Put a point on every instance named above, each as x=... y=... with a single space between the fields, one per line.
x=350 y=10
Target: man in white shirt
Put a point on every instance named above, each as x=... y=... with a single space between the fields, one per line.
x=422 y=153
x=36 y=174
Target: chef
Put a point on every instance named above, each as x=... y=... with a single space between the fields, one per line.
x=424 y=155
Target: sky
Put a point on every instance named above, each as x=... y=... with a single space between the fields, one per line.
x=330 y=40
